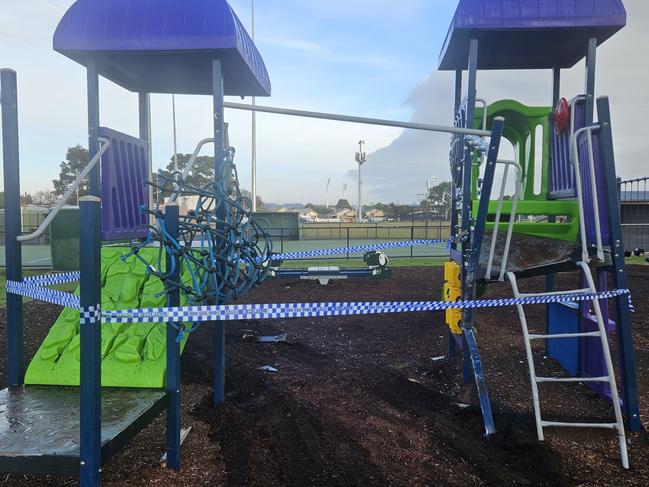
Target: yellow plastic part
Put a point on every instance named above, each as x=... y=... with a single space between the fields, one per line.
x=452 y=292
x=452 y=273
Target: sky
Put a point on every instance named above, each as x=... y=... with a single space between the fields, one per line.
x=372 y=58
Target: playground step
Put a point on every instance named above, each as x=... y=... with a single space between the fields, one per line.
x=572 y=291
x=541 y=380
x=565 y=335
x=560 y=424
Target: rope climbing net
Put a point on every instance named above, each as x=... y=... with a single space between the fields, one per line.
x=222 y=251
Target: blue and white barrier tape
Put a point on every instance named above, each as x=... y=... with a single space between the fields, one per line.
x=53 y=296
x=199 y=314
x=51 y=279
x=305 y=254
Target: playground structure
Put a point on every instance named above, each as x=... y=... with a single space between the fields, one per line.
x=126 y=375
x=569 y=188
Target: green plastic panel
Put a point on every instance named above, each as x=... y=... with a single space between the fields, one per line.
x=562 y=230
x=521 y=122
x=133 y=355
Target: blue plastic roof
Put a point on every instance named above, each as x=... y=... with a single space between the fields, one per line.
x=163 y=46
x=529 y=34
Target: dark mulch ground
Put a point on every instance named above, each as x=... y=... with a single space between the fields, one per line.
x=360 y=401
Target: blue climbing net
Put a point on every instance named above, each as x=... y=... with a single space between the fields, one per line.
x=222 y=251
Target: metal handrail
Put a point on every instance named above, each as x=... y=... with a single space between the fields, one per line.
x=361 y=120
x=574 y=158
x=512 y=218
x=66 y=196
x=191 y=162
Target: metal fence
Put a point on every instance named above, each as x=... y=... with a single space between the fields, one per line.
x=634 y=209
x=36 y=253
x=315 y=236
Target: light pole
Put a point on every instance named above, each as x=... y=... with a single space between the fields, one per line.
x=361 y=157
x=254 y=131
x=327 y=194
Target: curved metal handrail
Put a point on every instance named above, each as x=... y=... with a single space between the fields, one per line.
x=66 y=196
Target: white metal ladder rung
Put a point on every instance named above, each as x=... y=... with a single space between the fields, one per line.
x=541 y=380
x=601 y=333
x=539 y=295
x=561 y=424
x=565 y=335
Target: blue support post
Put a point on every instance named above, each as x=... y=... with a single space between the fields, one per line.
x=219 y=160
x=550 y=279
x=144 y=104
x=465 y=233
x=470 y=284
x=624 y=331
x=90 y=284
x=452 y=344
x=173 y=347
x=13 y=251
x=591 y=64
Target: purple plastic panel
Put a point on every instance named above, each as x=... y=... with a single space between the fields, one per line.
x=601 y=196
x=529 y=34
x=124 y=172
x=562 y=174
x=164 y=46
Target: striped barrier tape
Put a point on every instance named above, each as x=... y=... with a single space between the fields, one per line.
x=199 y=314
x=305 y=254
x=53 y=296
x=51 y=279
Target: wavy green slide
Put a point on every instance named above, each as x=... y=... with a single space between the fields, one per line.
x=133 y=355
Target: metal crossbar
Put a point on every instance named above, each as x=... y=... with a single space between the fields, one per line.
x=610 y=377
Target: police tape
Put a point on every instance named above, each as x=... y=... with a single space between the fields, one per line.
x=200 y=314
x=305 y=254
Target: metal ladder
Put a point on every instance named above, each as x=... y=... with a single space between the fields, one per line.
x=618 y=425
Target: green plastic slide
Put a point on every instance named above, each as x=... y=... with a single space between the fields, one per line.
x=133 y=355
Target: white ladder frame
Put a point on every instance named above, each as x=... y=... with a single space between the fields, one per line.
x=618 y=425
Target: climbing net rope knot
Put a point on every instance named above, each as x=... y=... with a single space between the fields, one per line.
x=221 y=250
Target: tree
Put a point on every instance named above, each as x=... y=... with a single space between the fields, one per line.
x=439 y=199
x=343 y=204
x=201 y=173
x=248 y=195
x=76 y=159
x=46 y=198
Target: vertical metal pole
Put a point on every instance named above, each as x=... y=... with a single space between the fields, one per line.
x=173 y=347
x=13 y=251
x=254 y=131
x=452 y=344
x=90 y=327
x=219 y=160
x=624 y=331
x=145 y=134
x=591 y=64
x=90 y=336
x=550 y=279
x=466 y=195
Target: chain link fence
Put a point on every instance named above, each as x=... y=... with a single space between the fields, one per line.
x=35 y=253
x=634 y=208
x=317 y=236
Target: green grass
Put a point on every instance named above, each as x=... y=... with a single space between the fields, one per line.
x=383 y=230
x=636 y=260
x=405 y=262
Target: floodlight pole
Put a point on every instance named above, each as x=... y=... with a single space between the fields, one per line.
x=360 y=159
x=254 y=131
x=327 y=194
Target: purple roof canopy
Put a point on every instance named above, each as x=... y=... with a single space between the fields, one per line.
x=164 y=46
x=529 y=34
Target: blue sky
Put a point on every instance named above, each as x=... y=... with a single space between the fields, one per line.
x=373 y=58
